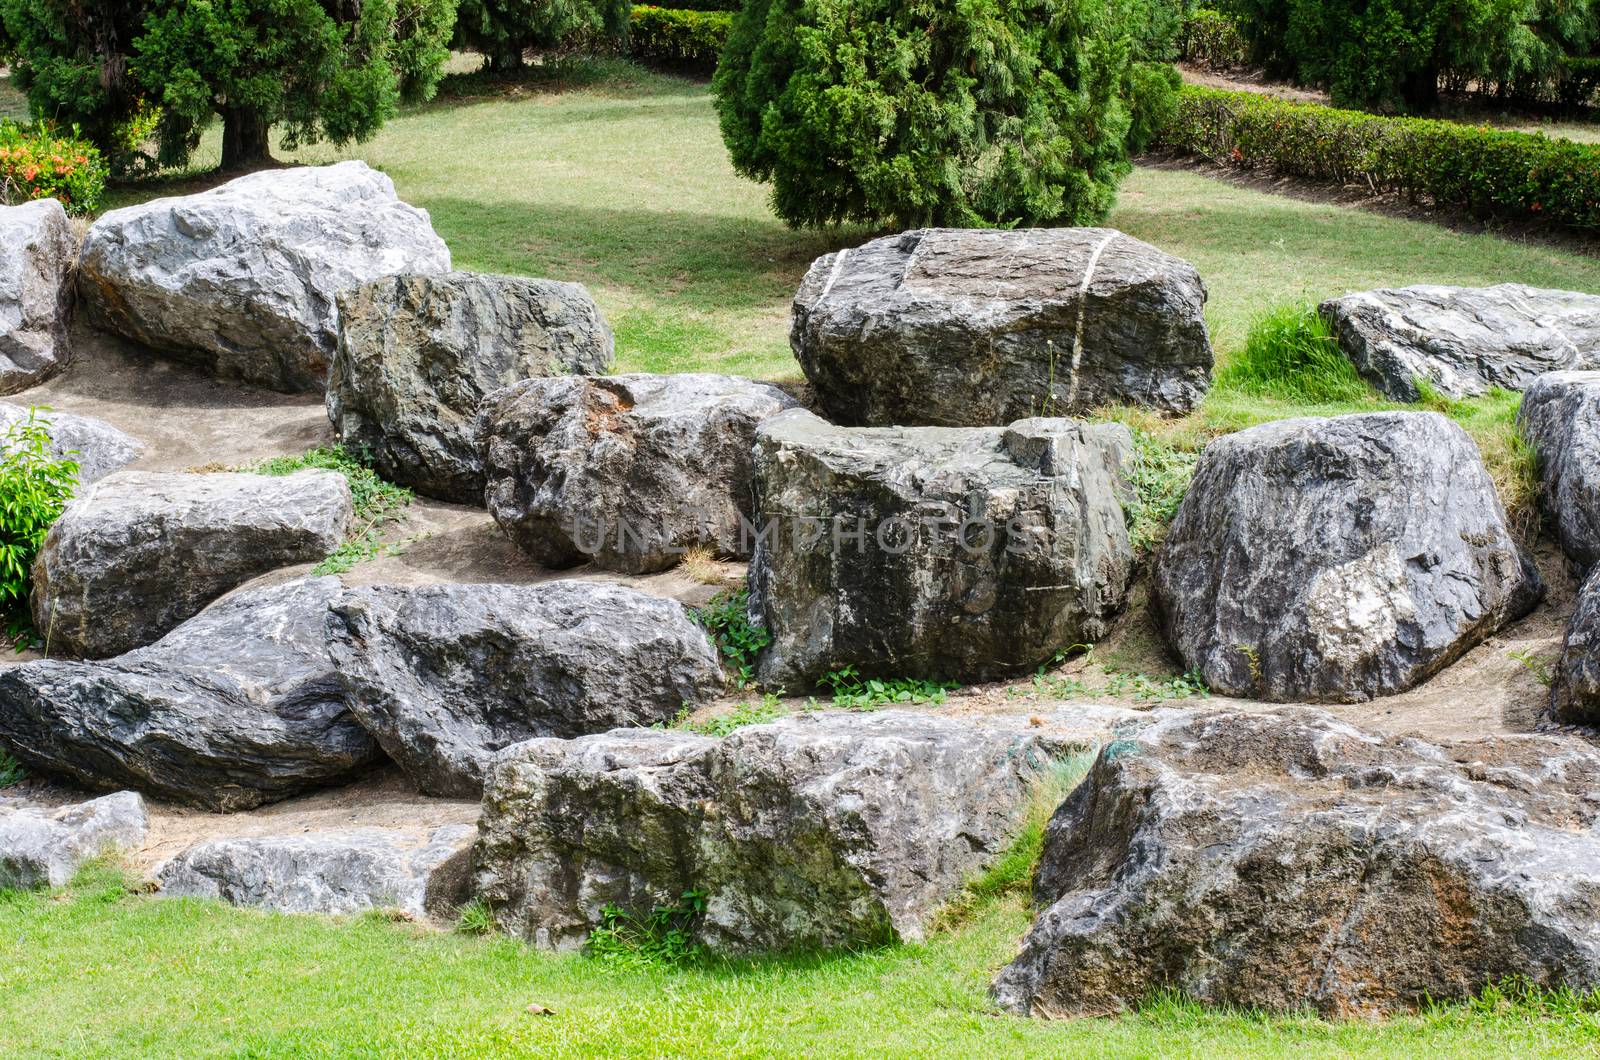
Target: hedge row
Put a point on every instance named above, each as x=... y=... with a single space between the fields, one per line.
x=678 y=36
x=36 y=162
x=1484 y=173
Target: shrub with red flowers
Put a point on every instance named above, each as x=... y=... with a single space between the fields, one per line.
x=37 y=162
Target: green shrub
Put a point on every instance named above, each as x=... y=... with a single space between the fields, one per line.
x=1291 y=354
x=1211 y=40
x=504 y=30
x=678 y=38
x=1483 y=173
x=726 y=620
x=933 y=112
x=38 y=163
x=35 y=486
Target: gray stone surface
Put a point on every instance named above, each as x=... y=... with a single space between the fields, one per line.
x=1464 y=340
x=1285 y=860
x=1560 y=418
x=45 y=847
x=962 y=553
x=242 y=279
x=37 y=253
x=417 y=354
x=418 y=873
x=138 y=552
x=1334 y=560
x=628 y=471
x=821 y=830
x=445 y=675
x=980 y=327
x=1575 y=677
x=239 y=706
x=98 y=447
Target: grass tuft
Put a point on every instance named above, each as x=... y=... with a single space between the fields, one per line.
x=1291 y=355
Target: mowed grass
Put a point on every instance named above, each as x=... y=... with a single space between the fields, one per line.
x=99 y=972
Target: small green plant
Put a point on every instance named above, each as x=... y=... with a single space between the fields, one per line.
x=475 y=918
x=1115 y=683
x=1290 y=354
x=1161 y=476
x=1539 y=668
x=851 y=691
x=378 y=504
x=35 y=485
x=11 y=770
x=665 y=936
x=726 y=618
x=770 y=708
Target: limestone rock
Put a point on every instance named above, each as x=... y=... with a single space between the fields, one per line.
x=1285 y=860
x=242 y=279
x=628 y=471
x=239 y=706
x=138 y=552
x=98 y=447
x=1560 y=418
x=418 y=353
x=37 y=255
x=965 y=553
x=980 y=327
x=445 y=675
x=44 y=848
x=1464 y=340
x=1333 y=560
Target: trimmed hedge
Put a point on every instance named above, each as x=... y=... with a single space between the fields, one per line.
x=678 y=37
x=1211 y=40
x=36 y=162
x=1456 y=168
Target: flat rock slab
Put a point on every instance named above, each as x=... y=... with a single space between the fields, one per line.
x=446 y=675
x=1560 y=418
x=139 y=552
x=242 y=279
x=1283 y=860
x=37 y=253
x=627 y=471
x=239 y=706
x=935 y=552
x=1334 y=560
x=979 y=327
x=45 y=848
x=418 y=873
x=814 y=831
x=418 y=353
x=1462 y=341
x=96 y=446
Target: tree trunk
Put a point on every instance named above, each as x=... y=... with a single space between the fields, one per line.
x=244 y=138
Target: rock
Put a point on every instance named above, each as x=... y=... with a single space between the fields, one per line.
x=1575 y=677
x=980 y=327
x=1464 y=340
x=98 y=447
x=138 y=552
x=445 y=675
x=44 y=848
x=935 y=552
x=1284 y=860
x=239 y=706
x=418 y=873
x=1560 y=418
x=814 y=831
x=417 y=354
x=37 y=253
x=628 y=471
x=1333 y=560
x=242 y=279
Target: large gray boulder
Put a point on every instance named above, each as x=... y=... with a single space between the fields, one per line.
x=138 y=552
x=1333 y=560
x=37 y=253
x=1285 y=860
x=628 y=471
x=239 y=706
x=936 y=552
x=446 y=675
x=418 y=353
x=980 y=327
x=45 y=847
x=1560 y=418
x=415 y=872
x=814 y=831
x=242 y=279
x=96 y=446
x=1575 y=677
x=1462 y=341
